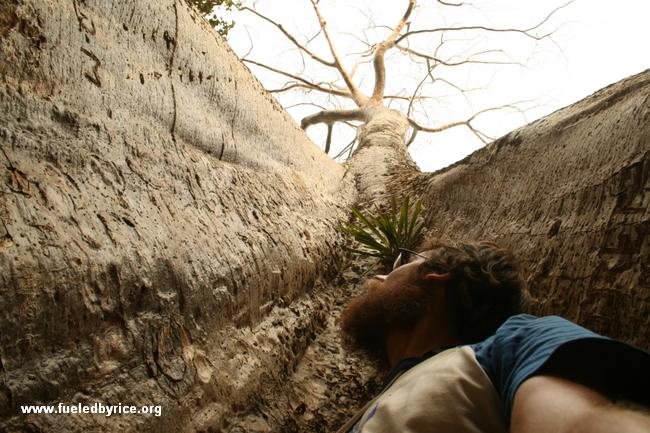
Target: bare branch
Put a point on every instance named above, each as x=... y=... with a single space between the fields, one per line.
x=366 y=57
x=290 y=37
x=419 y=127
x=305 y=83
x=480 y=135
x=526 y=32
x=450 y=4
x=330 y=116
x=363 y=41
x=328 y=141
x=408 y=98
x=250 y=40
x=413 y=134
x=415 y=92
x=300 y=104
x=380 y=53
x=467 y=122
x=291 y=86
x=467 y=60
x=355 y=94
x=349 y=146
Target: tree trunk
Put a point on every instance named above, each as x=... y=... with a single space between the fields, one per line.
x=163 y=220
x=167 y=229
x=380 y=156
x=570 y=194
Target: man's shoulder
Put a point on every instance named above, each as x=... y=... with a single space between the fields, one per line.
x=522 y=344
x=529 y=322
x=528 y=329
x=526 y=345
x=448 y=392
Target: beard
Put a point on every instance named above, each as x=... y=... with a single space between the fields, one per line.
x=370 y=317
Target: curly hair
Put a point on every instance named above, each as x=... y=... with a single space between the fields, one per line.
x=485 y=288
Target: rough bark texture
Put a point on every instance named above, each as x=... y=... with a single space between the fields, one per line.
x=570 y=194
x=380 y=155
x=163 y=221
x=165 y=224
x=328 y=383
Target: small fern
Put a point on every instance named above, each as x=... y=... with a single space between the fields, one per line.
x=383 y=234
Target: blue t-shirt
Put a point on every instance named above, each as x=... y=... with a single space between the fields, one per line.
x=525 y=345
x=520 y=347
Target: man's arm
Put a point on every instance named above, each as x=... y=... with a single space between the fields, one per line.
x=551 y=404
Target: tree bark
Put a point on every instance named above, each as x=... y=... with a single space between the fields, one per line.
x=381 y=155
x=167 y=230
x=163 y=220
x=570 y=195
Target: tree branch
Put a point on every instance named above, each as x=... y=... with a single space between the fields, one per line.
x=467 y=123
x=450 y=4
x=330 y=116
x=526 y=32
x=355 y=94
x=290 y=37
x=413 y=134
x=328 y=141
x=305 y=83
x=468 y=59
x=349 y=147
x=407 y=98
x=293 y=85
x=415 y=92
x=380 y=54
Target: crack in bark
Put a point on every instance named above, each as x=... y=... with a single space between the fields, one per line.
x=129 y=164
x=83 y=27
x=191 y=189
x=232 y=127
x=7 y=240
x=223 y=146
x=94 y=78
x=173 y=42
x=106 y=228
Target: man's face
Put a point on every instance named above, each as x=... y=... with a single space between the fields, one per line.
x=396 y=301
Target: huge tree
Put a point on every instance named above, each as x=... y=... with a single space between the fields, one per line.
x=168 y=233
x=415 y=62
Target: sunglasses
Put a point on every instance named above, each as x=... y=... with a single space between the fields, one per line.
x=402 y=258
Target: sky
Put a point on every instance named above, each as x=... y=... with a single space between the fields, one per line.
x=594 y=43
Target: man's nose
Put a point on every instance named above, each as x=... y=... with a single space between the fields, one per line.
x=380 y=277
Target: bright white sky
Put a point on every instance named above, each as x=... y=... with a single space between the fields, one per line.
x=600 y=42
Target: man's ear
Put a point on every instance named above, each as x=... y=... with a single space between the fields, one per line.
x=436 y=277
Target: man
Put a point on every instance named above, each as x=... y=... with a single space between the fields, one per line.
x=463 y=358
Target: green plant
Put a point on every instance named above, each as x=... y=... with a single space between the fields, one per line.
x=383 y=233
x=211 y=10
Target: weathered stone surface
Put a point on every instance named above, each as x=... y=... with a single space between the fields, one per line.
x=163 y=220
